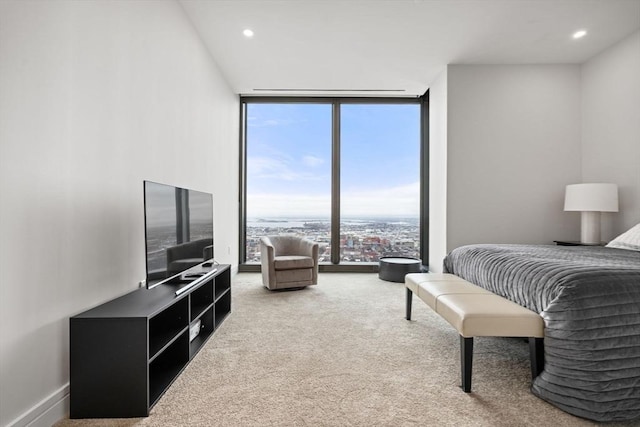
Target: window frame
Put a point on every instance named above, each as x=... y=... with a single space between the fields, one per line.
x=336 y=103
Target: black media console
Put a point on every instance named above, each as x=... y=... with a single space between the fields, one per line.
x=127 y=352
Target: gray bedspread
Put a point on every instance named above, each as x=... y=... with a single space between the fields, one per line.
x=589 y=298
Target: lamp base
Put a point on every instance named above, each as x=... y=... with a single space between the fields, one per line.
x=590 y=228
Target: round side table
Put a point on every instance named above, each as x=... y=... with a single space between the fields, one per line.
x=393 y=269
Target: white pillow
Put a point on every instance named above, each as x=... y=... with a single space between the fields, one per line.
x=630 y=239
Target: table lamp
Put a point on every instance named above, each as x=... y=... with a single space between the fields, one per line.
x=590 y=200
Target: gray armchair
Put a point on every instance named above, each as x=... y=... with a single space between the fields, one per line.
x=288 y=262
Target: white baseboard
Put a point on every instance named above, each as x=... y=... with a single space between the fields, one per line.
x=46 y=413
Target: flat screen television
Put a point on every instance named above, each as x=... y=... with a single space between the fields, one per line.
x=178 y=230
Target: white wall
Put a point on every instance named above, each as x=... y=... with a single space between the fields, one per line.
x=512 y=144
x=611 y=128
x=96 y=96
x=437 y=172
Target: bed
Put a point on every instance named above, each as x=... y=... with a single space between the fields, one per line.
x=589 y=298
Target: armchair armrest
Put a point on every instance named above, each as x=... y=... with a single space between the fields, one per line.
x=266 y=247
x=267 y=255
x=308 y=248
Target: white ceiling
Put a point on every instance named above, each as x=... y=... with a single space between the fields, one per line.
x=395 y=47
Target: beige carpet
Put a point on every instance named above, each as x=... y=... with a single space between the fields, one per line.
x=342 y=354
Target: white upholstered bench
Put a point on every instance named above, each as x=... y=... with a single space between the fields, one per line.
x=476 y=312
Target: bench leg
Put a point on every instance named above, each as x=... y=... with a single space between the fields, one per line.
x=466 y=362
x=536 y=352
x=409 y=299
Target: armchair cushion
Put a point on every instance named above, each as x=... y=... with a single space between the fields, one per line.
x=290 y=262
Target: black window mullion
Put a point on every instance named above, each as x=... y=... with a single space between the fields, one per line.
x=242 y=187
x=335 y=184
x=424 y=179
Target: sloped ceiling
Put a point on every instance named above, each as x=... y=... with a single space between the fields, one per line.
x=395 y=47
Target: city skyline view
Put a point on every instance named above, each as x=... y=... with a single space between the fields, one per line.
x=359 y=240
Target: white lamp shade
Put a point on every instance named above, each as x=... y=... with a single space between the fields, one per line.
x=591 y=198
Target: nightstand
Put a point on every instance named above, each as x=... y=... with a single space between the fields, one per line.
x=574 y=243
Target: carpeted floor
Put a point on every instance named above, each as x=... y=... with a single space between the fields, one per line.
x=342 y=354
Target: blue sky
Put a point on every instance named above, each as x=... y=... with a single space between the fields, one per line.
x=289 y=160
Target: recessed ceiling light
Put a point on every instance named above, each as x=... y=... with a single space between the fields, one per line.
x=579 y=34
x=248 y=33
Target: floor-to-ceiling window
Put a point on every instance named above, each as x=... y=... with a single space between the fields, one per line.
x=379 y=181
x=343 y=172
x=288 y=173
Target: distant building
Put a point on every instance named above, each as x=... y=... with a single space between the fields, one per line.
x=360 y=241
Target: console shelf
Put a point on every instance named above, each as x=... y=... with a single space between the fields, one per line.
x=124 y=354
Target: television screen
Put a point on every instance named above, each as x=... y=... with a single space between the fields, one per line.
x=178 y=230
